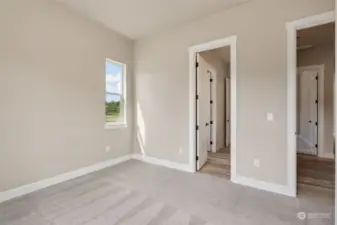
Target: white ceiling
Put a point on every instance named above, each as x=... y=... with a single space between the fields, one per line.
x=140 y=18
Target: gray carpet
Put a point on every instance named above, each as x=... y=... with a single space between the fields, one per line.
x=135 y=193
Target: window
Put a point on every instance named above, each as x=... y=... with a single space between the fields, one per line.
x=115 y=94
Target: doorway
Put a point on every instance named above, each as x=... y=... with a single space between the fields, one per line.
x=213 y=107
x=311 y=108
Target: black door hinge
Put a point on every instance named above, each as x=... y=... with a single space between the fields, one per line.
x=197 y=158
x=211 y=102
x=316 y=145
x=316 y=77
x=316 y=101
x=196 y=64
x=316 y=123
x=197 y=127
x=211 y=142
x=211 y=122
x=211 y=80
x=197 y=97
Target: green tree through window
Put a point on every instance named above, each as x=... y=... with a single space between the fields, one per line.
x=114 y=90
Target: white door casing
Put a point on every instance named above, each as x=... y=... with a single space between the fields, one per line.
x=230 y=41
x=203 y=111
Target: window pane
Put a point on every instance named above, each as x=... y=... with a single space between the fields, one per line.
x=113 y=106
x=113 y=78
x=114 y=103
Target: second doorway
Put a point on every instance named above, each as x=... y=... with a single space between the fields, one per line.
x=213 y=109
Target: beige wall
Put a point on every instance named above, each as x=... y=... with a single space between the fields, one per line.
x=317 y=56
x=215 y=63
x=52 y=91
x=162 y=84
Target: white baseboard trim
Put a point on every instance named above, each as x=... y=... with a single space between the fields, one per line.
x=161 y=162
x=327 y=155
x=29 y=188
x=262 y=185
x=306 y=151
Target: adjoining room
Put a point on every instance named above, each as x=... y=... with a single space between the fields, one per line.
x=213 y=97
x=315 y=109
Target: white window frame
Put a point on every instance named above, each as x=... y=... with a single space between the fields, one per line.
x=123 y=124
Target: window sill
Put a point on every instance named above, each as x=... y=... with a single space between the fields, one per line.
x=115 y=126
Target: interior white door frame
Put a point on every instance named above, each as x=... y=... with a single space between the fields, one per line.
x=320 y=106
x=292 y=28
x=193 y=50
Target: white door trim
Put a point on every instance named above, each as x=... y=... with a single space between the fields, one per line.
x=320 y=90
x=228 y=41
x=292 y=28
